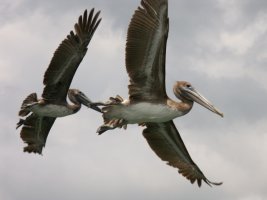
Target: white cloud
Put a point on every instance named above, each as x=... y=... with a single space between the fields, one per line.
x=241 y=40
x=218 y=67
x=232 y=11
x=79 y=164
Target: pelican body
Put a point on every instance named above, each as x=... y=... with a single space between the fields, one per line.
x=142 y=112
x=146 y=111
x=41 y=113
x=45 y=109
x=148 y=103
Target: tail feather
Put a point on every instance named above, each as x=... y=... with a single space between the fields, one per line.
x=108 y=115
x=29 y=99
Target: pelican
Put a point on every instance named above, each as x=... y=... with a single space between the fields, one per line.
x=148 y=103
x=42 y=113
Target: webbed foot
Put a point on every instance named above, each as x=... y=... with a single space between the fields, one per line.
x=112 y=124
x=116 y=100
x=104 y=128
x=20 y=123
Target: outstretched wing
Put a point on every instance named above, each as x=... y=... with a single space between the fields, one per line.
x=35 y=131
x=146 y=49
x=166 y=142
x=68 y=56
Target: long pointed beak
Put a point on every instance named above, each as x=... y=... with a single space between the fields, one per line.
x=194 y=95
x=88 y=103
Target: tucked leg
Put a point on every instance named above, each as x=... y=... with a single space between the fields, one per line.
x=112 y=124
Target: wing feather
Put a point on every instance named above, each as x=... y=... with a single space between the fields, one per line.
x=68 y=56
x=165 y=141
x=35 y=131
x=146 y=49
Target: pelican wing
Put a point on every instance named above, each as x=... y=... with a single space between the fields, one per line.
x=68 y=56
x=35 y=131
x=166 y=142
x=146 y=49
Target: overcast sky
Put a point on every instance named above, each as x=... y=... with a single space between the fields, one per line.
x=220 y=46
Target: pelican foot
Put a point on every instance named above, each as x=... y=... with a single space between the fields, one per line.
x=20 y=123
x=104 y=128
x=116 y=100
x=112 y=124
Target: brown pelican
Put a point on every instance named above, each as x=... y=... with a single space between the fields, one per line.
x=57 y=79
x=148 y=103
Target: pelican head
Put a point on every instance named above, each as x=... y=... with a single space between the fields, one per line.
x=187 y=93
x=78 y=97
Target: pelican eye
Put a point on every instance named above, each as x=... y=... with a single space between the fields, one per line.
x=189 y=86
x=81 y=93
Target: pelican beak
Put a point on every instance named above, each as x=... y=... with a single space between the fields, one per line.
x=194 y=95
x=87 y=102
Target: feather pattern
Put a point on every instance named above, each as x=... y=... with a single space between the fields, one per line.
x=29 y=99
x=166 y=142
x=145 y=51
x=34 y=132
x=67 y=57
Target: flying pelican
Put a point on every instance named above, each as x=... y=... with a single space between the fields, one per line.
x=148 y=103
x=57 y=79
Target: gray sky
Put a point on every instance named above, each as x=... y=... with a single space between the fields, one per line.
x=219 y=46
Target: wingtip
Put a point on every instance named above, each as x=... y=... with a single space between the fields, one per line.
x=36 y=149
x=210 y=183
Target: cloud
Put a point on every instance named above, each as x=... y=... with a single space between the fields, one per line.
x=240 y=41
x=219 y=46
